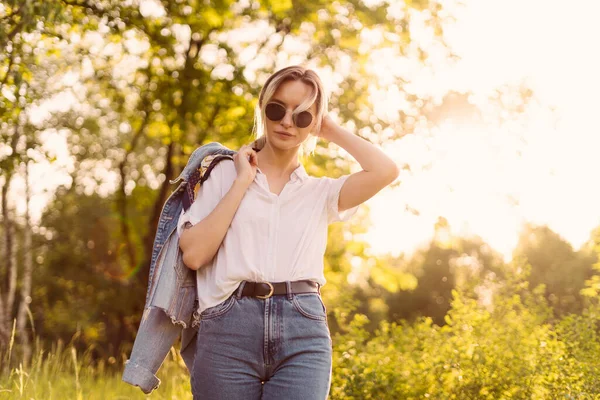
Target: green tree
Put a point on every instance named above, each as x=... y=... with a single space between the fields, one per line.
x=556 y=265
x=27 y=37
x=448 y=263
x=149 y=85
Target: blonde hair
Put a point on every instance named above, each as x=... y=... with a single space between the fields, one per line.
x=318 y=96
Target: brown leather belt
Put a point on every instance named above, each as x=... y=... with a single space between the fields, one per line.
x=264 y=290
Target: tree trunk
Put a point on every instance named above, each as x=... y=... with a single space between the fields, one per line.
x=5 y=310
x=3 y=330
x=122 y=196
x=158 y=204
x=27 y=275
x=124 y=218
x=12 y=271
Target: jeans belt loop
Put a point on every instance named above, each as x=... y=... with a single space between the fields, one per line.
x=288 y=286
x=240 y=289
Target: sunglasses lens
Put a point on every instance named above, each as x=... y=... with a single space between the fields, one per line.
x=303 y=119
x=274 y=111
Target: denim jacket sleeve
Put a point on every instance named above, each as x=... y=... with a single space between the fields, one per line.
x=171 y=304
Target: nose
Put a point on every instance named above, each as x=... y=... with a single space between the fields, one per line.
x=287 y=119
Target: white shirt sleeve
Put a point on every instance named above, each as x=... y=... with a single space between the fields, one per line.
x=209 y=195
x=334 y=185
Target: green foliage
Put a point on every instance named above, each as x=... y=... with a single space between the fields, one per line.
x=511 y=350
x=85 y=264
x=146 y=91
x=447 y=263
x=557 y=266
x=592 y=250
x=508 y=351
x=152 y=89
x=62 y=372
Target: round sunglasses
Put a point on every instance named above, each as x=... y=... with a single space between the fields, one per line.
x=276 y=112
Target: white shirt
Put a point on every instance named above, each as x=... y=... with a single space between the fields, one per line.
x=272 y=237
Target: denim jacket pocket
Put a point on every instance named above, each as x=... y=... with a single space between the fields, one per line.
x=310 y=305
x=220 y=309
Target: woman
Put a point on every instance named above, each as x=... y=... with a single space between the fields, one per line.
x=257 y=233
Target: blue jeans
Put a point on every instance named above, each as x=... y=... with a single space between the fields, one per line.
x=274 y=348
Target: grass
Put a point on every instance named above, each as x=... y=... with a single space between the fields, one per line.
x=61 y=373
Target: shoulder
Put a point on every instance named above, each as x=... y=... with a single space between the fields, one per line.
x=226 y=165
x=322 y=181
x=219 y=163
x=214 y=175
x=317 y=185
x=333 y=186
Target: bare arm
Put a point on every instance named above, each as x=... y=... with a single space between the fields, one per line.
x=201 y=242
x=379 y=170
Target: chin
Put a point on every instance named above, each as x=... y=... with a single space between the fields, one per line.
x=283 y=144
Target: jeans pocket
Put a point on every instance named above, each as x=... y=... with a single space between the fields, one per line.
x=220 y=309
x=310 y=305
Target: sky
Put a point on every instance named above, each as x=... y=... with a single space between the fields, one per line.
x=485 y=179
x=548 y=45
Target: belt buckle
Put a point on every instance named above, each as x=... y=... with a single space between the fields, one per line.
x=270 y=294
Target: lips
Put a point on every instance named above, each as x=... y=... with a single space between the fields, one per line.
x=283 y=133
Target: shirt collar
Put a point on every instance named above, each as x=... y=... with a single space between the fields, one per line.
x=299 y=173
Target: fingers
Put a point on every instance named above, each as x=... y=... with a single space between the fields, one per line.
x=243 y=151
x=248 y=153
x=253 y=159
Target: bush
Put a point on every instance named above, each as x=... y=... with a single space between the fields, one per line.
x=510 y=351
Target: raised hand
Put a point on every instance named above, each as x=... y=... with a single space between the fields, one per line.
x=246 y=163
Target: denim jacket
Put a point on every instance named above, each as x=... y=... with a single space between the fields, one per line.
x=171 y=300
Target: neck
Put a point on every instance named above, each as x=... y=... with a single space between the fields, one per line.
x=276 y=161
